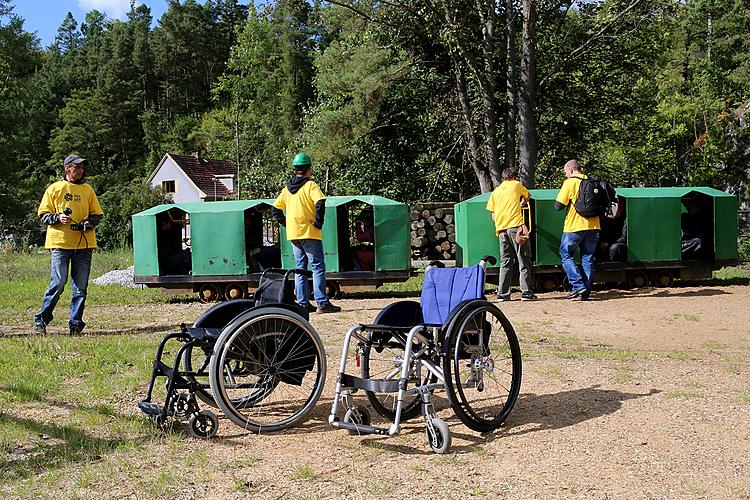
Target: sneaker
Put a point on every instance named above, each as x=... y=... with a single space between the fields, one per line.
x=310 y=308
x=575 y=293
x=327 y=307
x=40 y=329
x=584 y=296
x=502 y=298
x=74 y=332
x=528 y=296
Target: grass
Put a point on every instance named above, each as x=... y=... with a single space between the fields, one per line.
x=304 y=472
x=684 y=395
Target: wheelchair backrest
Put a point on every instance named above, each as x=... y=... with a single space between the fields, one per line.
x=274 y=289
x=445 y=288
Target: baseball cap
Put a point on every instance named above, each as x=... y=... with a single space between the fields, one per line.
x=75 y=159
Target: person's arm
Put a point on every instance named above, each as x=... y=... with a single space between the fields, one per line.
x=563 y=197
x=320 y=213
x=278 y=214
x=277 y=211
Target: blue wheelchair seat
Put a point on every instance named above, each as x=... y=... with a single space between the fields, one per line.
x=445 y=288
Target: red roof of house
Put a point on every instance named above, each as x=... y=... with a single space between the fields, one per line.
x=202 y=171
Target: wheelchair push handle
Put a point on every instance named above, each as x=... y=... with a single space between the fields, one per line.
x=285 y=272
x=488 y=259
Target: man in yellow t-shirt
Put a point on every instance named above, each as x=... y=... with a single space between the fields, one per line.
x=70 y=211
x=578 y=232
x=305 y=206
x=505 y=203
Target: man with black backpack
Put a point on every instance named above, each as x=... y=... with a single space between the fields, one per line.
x=587 y=199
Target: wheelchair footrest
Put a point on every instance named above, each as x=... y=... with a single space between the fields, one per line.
x=370 y=385
x=363 y=429
x=151 y=409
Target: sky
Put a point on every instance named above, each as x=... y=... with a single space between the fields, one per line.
x=45 y=16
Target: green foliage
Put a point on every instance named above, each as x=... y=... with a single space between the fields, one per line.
x=119 y=203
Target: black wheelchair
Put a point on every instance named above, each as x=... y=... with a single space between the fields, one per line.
x=452 y=340
x=258 y=360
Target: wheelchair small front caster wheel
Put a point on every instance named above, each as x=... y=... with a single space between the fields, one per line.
x=357 y=415
x=203 y=425
x=439 y=436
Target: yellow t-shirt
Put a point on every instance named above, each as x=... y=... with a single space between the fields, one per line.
x=568 y=195
x=81 y=199
x=300 y=211
x=505 y=203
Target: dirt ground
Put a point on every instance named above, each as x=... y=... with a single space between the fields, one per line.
x=634 y=394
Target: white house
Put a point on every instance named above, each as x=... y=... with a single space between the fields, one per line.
x=192 y=178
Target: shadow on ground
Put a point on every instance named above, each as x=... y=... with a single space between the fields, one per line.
x=563 y=409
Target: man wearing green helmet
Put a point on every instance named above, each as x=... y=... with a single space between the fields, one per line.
x=304 y=204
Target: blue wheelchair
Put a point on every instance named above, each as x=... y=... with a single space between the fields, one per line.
x=452 y=340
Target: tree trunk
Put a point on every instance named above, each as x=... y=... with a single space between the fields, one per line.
x=485 y=181
x=527 y=118
x=487 y=85
x=510 y=85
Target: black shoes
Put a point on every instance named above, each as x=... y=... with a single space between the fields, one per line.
x=327 y=307
x=40 y=329
x=528 y=296
x=576 y=293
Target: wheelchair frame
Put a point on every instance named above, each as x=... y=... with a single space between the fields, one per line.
x=422 y=351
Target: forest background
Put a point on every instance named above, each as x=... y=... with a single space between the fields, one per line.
x=410 y=99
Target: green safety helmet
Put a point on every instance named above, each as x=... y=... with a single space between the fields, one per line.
x=301 y=162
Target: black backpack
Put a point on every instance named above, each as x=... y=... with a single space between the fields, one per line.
x=595 y=197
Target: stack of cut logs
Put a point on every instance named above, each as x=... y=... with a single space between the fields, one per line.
x=433 y=231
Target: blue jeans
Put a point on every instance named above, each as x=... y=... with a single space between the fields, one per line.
x=79 y=263
x=588 y=242
x=310 y=251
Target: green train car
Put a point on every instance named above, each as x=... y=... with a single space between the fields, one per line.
x=219 y=249
x=653 y=236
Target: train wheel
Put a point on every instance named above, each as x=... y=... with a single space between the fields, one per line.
x=547 y=283
x=637 y=279
x=663 y=279
x=209 y=293
x=235 y=291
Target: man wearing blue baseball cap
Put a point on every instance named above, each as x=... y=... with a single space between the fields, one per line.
x=70 y=210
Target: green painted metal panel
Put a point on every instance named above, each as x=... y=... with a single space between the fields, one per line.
x=653 y=225
x=475 y=231
x=145 y=250
x=392 y=246
x=218 y=241
x=547 y=227
x=331 y=238
x=726 y=227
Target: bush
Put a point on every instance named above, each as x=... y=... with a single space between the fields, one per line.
x=744 y=247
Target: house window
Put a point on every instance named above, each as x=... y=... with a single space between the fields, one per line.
x=168 y=187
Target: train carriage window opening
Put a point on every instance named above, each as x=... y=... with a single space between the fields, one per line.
x=172 y=240
x=697 y=227
x=613 y=237
x=362 y=240
x=262 y=248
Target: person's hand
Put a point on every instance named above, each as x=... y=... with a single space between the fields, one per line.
x=523 y=202
x=64 y=219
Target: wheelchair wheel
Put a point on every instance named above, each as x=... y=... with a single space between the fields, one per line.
x=203 y=425
x=268 y=369
x=439 y=436
x=381 y=359
x=357 y=415
x=482 y=366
